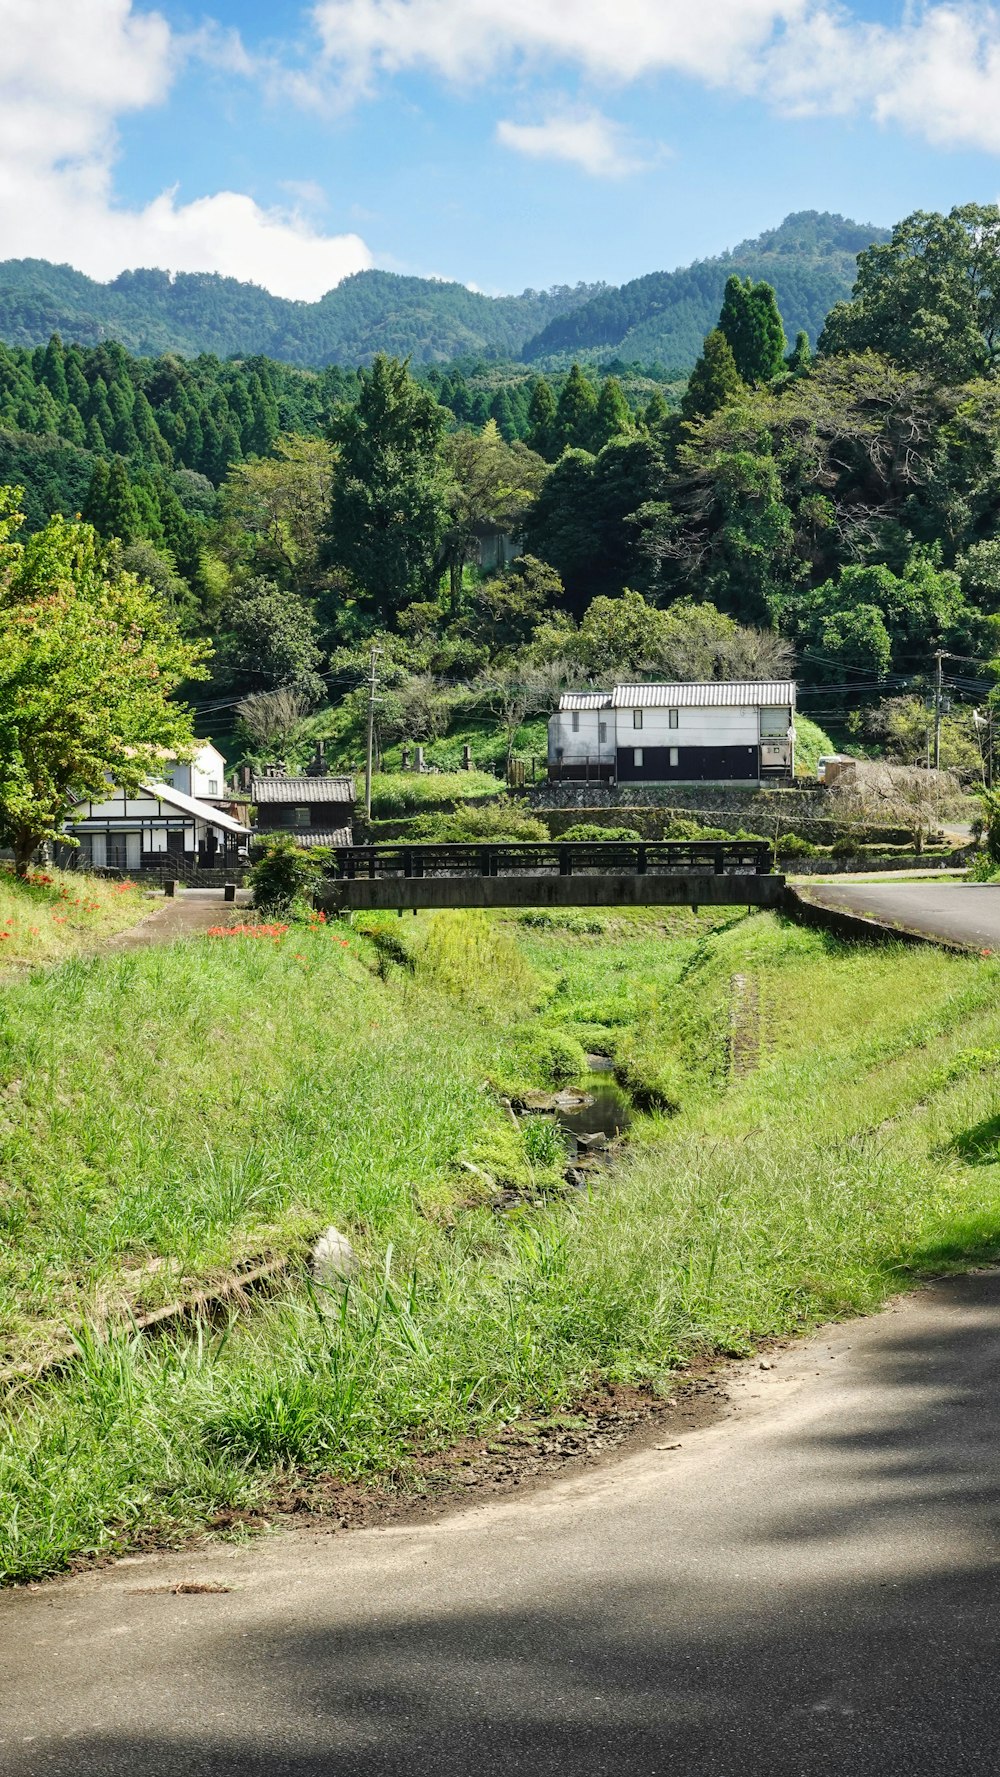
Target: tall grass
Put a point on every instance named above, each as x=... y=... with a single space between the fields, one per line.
x=410 y=792
x=57 y=913
x=863 y=1148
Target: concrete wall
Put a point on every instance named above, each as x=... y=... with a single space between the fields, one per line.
x=694 y=889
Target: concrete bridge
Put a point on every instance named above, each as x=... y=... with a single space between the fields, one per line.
x=600 y=873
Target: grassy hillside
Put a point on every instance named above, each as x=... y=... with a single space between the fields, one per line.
x=836 y=1134
x=57 y=913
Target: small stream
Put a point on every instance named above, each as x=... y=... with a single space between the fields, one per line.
x=607 y=1116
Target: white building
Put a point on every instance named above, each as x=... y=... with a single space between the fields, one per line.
x=742 y=731
x=168 y=819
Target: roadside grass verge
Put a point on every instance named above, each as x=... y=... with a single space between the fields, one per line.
x=862 y=1149
x=56 y=913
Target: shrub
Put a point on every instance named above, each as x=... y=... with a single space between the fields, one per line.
x=587 y=830
x=556 y=1056
x=497 y=822
x=792 y=845
x=284 y=873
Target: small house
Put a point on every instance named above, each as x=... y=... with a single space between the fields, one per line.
x=314 y=809
x=156 y=827
x=737 y=731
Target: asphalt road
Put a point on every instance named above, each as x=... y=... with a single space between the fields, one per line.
x=961 y=912
x=808 y=1586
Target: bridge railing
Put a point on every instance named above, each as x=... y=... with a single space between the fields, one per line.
x=603 y=857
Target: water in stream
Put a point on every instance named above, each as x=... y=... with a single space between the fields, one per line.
x=608 y=1114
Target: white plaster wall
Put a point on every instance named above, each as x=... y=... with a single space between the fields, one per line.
x=695 y=728
x=586 y=743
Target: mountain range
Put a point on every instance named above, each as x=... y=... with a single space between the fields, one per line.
x=659 y=319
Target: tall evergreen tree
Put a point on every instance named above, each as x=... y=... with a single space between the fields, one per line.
x=613 y=418
x=715 y=380
x=575 y=413
x=541 y=418
x=54 y=371
x=800 y=357
x=752 y=324
x=503 y=416
x=111 y=505
x=389 y=508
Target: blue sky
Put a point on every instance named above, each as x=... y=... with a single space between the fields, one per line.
x=499 y=142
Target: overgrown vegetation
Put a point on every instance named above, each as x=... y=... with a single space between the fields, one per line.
x=52 y=914
x=860 y=1147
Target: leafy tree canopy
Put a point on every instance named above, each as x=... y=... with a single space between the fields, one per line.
x=929 y=298
x=89 y=659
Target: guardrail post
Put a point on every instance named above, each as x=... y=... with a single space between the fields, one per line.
x=565 y=861
x=640 y=860
x=407 y=861
x=720 y=862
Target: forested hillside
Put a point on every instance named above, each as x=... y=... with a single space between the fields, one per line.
x=373 y=311
x=843 y=507
x=662 y=318
x=658 y=319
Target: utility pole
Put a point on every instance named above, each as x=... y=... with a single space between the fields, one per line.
x=371 y=736
x=938 y=687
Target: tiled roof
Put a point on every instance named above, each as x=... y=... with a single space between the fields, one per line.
x=302 y=789
x=201 y=811
x=716 y=694
x=341 y=836
x=585 y=700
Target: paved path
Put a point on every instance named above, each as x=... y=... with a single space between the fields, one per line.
x=186 y=915
x=807 y=1588
x=961 y=912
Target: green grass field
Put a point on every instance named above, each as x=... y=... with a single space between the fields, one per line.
x=167 y=1113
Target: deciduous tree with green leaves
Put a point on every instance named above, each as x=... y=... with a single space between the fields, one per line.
x=89 y=659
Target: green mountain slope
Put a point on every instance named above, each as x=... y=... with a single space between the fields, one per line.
x=663 y=317
x=150 y=312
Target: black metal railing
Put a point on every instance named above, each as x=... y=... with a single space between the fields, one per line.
x=603 y=857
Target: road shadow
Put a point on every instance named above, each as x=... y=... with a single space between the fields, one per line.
x=836 y=1613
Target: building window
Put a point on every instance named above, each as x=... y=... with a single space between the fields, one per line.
x=675 y=757
x=637 y=757
x=602 y=732
x=672 y=718
x=213 y=786
x=300 y=817
x=637 y=718
x=576 y=721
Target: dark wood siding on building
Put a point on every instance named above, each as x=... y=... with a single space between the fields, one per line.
x=694 y=764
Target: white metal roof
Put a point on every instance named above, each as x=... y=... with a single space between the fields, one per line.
x=585 y=700
x=199 y=811
x=715 y=694
x=302 y=789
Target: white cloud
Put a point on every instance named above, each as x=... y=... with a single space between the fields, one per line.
x=468 y=38
x=69 y=70
x=588 y=140
x=936 y=73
